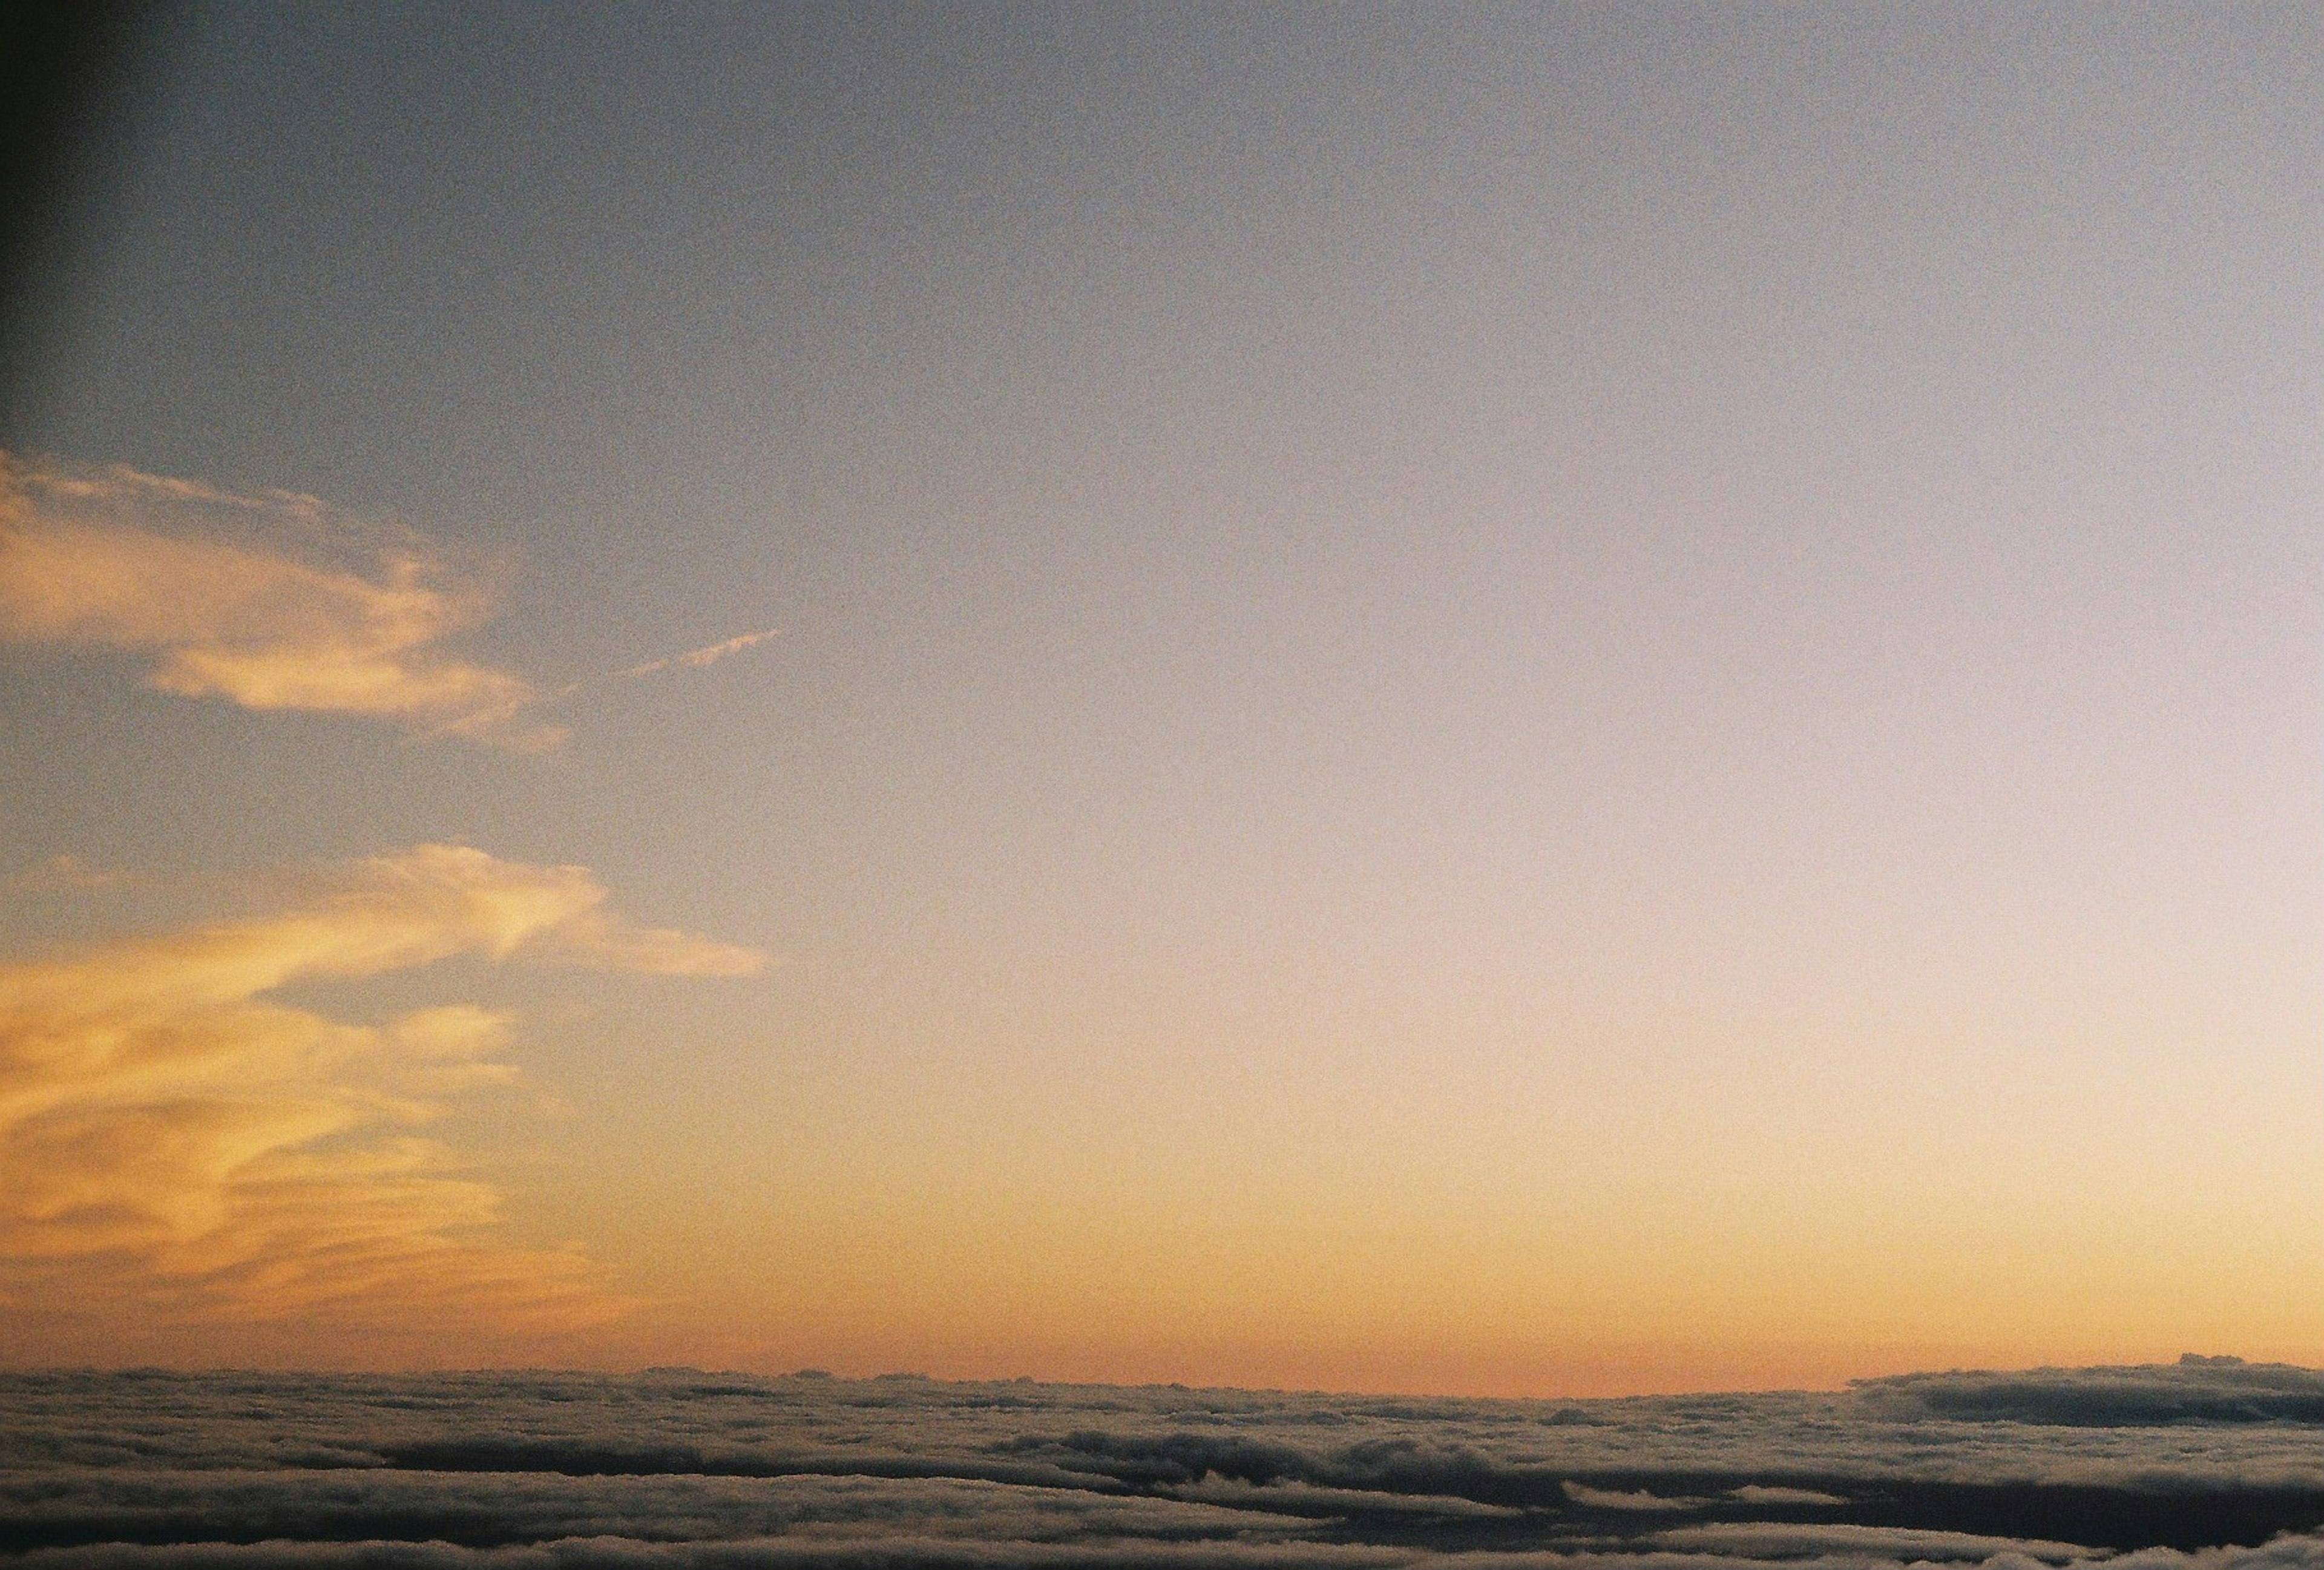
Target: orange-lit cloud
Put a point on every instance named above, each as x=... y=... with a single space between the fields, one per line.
x=170 y=1138
x=147 y=564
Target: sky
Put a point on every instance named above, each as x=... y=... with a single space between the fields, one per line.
x=1505 y=701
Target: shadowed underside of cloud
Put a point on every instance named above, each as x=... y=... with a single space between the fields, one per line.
x=172 y=1139
x=153 y=565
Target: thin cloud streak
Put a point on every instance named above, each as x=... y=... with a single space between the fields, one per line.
x=122 y=560
x=692 y=659
x=695 y=659
x=171 y=1141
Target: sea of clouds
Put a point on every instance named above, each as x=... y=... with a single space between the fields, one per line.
x=2208 y=1465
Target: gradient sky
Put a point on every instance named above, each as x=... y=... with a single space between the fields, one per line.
x=1505 y=700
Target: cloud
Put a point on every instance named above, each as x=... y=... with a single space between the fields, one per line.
x=1301 y=1498
x=904 y=1552
x=1782 y=1540
x=240 y=598
x=172 y=1138
x=695 y=659
x=2195 y=1391
x=1633 y=1499
x=680 y=1468
x=1754 y=1493
x=313 y=1507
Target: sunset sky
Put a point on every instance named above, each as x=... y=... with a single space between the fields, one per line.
x=1505 y=700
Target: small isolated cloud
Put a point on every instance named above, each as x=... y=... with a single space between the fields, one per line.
x=1639 y=1499
x=172 y=1138
x=695 y=659
x=210 y=586
x=1757 y=1494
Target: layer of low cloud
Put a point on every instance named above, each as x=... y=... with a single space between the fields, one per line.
x=2196 y=1390
x=250 y=598
x=907 y=1552
x=678 y=1468
x=173 y=1140
x=1785 y=1540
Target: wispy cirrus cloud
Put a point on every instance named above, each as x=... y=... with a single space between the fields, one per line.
x=692 y=659
x=250 y=598
x=173 y=1139
x=269 y=601
x=695 y=659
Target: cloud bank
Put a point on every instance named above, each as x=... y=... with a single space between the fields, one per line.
x=173 y=1140
x=210 y=586
x=2197 y=1390
x=678 y=1468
